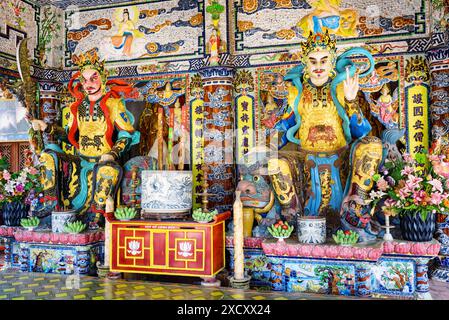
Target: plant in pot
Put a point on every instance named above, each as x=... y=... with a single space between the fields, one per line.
x=416 y=188
x=15 y=191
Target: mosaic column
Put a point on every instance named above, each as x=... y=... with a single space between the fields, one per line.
x=422 y=280
x=218 y=125
x=438 y=61
x=49 y=103
x=24 y=259
x=441 y=272
x=363 y=278
x=8 y=253
x=277 y=275
x=83 y=260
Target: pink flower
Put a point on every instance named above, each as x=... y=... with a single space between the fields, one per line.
x=434 y=157
x=413 y=182
x=382 y=184
x=407 y=171
x=390 y=203
x=33 y=170
x=436 y=185
x=436 y=198
x=407 y=157
x=404 y=192
x=20 y=188
x=419 y=196
x=6 y=175
x=442 y=169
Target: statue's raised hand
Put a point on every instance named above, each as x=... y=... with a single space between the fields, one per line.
x=351 y=86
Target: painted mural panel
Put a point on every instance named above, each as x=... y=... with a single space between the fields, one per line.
x=394 y=277
x=272 y=25
x=331 y=278
x=171 y=28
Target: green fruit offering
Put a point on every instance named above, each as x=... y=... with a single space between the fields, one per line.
x=125 y=213
x=200 y=216
x=280 y=229
x=346 y=237
x=75 y=227
x=31 y=222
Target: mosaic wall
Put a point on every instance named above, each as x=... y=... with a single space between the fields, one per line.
x=18 y=19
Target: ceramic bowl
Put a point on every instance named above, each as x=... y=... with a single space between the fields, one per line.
x=166 y=191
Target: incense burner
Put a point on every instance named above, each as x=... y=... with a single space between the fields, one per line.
x=166 y=191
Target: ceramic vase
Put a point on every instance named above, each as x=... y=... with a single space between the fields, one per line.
x=13 y=212
x=414 y=228
x=166 y=191
x=60 y=218
x=311 y=229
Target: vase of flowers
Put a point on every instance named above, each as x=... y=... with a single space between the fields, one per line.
x=416 y=188
x=15 y=189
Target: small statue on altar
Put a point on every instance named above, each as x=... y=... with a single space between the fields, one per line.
x=101 y=130
x=324 y=120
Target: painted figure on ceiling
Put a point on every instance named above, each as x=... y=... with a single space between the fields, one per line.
x=327 y=16
x=126 y=30
x=324 y=119
x=101 y=130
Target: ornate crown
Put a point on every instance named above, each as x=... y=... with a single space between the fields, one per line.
x=318 y=42
x=89 y=60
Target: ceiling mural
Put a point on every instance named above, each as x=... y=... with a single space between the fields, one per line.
x=64 y=4
x=268 y=25
x=142 y=31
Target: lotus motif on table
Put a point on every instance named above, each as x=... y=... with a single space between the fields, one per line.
x=133 y=247
x=186 y=249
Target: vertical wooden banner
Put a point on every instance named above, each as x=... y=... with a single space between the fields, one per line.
x=245 y=126
x=196 y=137
x=417 y=96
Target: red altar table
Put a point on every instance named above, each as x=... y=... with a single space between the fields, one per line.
x=185 y=248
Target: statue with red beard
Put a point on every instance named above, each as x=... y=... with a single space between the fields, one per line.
x=101 y=130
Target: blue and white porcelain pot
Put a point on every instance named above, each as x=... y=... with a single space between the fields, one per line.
x=166 y=191
x=311 y=229
x=60 y=218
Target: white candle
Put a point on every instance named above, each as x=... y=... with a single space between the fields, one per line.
x=109 y=209
x=238 y=238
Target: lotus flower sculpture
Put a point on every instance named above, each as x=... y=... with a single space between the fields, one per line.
x=186 y=249
x=133 y=247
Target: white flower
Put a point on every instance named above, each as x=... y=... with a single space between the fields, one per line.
x=9 y=187
x=377 y=194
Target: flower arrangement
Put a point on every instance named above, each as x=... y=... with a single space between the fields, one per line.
x=18 y=186
x=410 y=185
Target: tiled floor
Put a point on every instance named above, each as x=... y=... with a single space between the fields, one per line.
x=33 y=286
